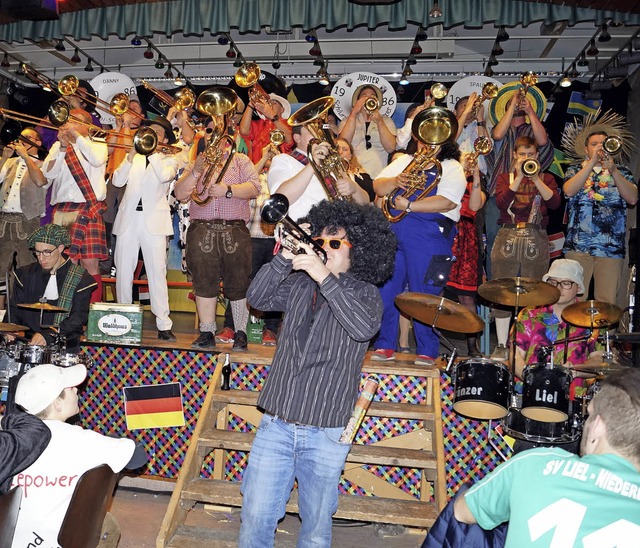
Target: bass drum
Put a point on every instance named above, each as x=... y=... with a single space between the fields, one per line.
x=545 y=393
x=481 y=389
x=516 y=425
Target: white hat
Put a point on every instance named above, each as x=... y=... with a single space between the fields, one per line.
x=40 y=386
x=566 y=269
x=286 y=106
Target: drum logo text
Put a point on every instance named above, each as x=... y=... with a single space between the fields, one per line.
x=543 y=396
x=469 y=391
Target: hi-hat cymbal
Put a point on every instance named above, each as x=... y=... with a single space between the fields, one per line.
x=592 y=314
x=43 y=306
x=439 y=312
x=599 y=367
x=520 y=291
x=9 y=327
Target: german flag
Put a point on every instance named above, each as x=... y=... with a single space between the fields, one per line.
x=154 y=406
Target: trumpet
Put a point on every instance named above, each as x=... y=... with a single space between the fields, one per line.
x=489 y=91
x=313 y=116
x=287 y=231
x=218 y=102
x=439 y=91
x=611 y=146
x=481 y=147
x=276 y=138
x=527 y=79
x=433 y=127
x=247 y=77
x=531 y=167
x=371 y=105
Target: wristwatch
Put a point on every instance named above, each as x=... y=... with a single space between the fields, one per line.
x=408 y=208
x=229 y=193
x=275 y=118
x=482 y=124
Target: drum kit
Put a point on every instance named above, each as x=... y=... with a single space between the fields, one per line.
x=485 y=389
x=17 y=356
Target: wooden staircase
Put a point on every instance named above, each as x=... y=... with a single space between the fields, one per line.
x=420 y=449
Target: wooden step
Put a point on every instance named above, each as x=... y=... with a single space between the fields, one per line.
x=202 y=537
x=413 y=513
x=365 y=454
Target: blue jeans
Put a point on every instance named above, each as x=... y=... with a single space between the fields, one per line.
x=281 y=453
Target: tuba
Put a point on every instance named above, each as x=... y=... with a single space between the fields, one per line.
x=219 y=102
x=274 y=211
x=313 y=116
x=247 y=77
x=433 y=127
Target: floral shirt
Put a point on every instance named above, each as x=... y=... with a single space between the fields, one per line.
x=540 y=326
x=597 y=215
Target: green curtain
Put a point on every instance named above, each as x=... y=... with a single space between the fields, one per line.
x=197 y=17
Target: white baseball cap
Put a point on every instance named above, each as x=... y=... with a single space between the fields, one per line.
x=40 y=386
x=566 y=269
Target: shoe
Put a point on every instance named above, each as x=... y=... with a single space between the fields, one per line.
x=422 y=359
x=404 y=350
x=383 y=355
x=206 y=340
x=166 y=335
x=240 y=341
x=501 y=353
x=268 y=338
x=225 y=336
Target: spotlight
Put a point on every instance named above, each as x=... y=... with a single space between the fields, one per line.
x=573 y=73
x=76 y=57
x=582 y=62
x=497 y=49
x=178 y=81
x=46 y=87
x=159 y=63
x=411 y=60
x=276 y=65
x=404 y=79
x=492 y=62
x=311 y=37
x=435 y=11
x=89 y=66
x=421 y=36
x=168 y=73
x=238 y=63
x=565 y=82
x=231 y=53
x=5 y=61
x=315 y=50
x=60 y=45
x=593 y=50
x=489 y=71
x=135 y=41
x=318 y=62
x=503 y=36
x=148 y=53
x=416 y=49
x=20 y=97
x=323 y=77
x=223 y=40
x=604 y=35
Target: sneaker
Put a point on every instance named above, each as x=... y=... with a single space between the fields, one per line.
x=422 y=359
x=225 y=336
x=268 y=338
x=240 y=341
x=404 y=350
x=166 y=335
x=383 y=355
x=501 y=353
x=206 y=340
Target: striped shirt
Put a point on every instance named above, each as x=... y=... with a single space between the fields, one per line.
x=241 y=170
x=315 y=373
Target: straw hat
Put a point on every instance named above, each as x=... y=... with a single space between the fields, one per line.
x=356 y=93
x=498 y=105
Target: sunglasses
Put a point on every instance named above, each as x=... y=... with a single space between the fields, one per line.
x=334 y=243
x=367 y=139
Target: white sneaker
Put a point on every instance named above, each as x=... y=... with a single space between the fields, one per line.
x=500 y=353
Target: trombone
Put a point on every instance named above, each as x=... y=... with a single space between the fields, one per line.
x=183 y=99
x=247 y=77
x=12 y=132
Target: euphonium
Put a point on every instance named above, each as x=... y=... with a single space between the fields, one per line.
x=531 y=167
x=489 y=91
x=313 y=116
x=481 y=146
x=219 y=102
x=433 y=127
x=247 y=77
x=290 y=235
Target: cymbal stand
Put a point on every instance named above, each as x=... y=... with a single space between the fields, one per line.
x=512 y=351
x=452 y=347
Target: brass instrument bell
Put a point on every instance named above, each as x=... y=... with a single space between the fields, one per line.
x=247 y=76
x=531 y=167
x=612 y=145
x=371 y=105
x=489 y=91
x=439 y=91
x=276 y=137
x=527 y=79
x=481 y=147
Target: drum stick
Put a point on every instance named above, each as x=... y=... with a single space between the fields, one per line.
x=359 y=410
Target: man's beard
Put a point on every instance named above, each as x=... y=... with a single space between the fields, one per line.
x=519 y=113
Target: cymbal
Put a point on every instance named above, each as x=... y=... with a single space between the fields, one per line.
x=592 y=314
x=439 y=312
x=9 y=327
x=526 y=291
x=601 y=367
x=43 y=306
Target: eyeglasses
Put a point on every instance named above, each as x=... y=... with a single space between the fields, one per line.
x=334 y=243
x=45 y=252
x=367 y=139
x=564 y=284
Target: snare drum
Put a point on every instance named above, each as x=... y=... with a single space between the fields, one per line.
x=481 y=389
x=68 y=359
x=545 y=395
x=34 y=354
x=520 y=427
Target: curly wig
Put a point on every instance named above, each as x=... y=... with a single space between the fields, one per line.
x=449 y=151
x=368 y=231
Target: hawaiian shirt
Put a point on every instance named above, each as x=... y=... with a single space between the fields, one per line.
x=597 y=215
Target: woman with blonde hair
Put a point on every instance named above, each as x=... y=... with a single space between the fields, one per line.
x=355 y=169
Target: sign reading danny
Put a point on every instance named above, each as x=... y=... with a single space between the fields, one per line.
x=344 y=90
x=466 y=86
x=107 y=85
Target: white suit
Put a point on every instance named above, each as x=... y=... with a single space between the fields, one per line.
x=146 y=229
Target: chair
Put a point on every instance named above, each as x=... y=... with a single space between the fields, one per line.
x=86 y=512
x=9 y=508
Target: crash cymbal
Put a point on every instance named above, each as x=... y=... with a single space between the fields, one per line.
x=592 y=314
x=9 y=327
x=43 y=306
x=439 y=312
x=520 y=291
x=599 y=367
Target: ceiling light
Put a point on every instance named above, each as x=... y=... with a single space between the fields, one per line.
x=565 y=82
x=416 y=49
x=135 y=41
x=404 y=79
x=315 y=50
x=178 y=81
x=435 y=12
x=46 y=87
x=89 y=66
x=573 y=73
x=148 y=53
x=592 y=51
x=159 y=63
x=76 y=57
x=492 y=62
x=231 y=53
x=60 y=45
x=503 y=36
x=421 y=36
x=604 y=35
x=582 y=62
x=489 y=71
x=238 y=63
x=411 y=60
x=318 y=62
x=168 y=73
x=323 y=77
x=276 y=65
x=223 y=40
x=5 y=61
x=497 y=49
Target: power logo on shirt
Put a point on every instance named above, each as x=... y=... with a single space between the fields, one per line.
x=27 y=480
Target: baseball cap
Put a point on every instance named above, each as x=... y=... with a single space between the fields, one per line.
x=41 y=385
x=566 y=269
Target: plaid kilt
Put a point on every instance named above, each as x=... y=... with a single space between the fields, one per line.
x=88 y=236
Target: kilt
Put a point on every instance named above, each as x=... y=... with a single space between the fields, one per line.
x=88 y=236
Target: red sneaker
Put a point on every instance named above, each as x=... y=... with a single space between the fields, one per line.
x=225 y=336
x=268 y=338
x=383 y=355
x=421 y=359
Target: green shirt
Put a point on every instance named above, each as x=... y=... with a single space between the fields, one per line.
x=556 y=499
